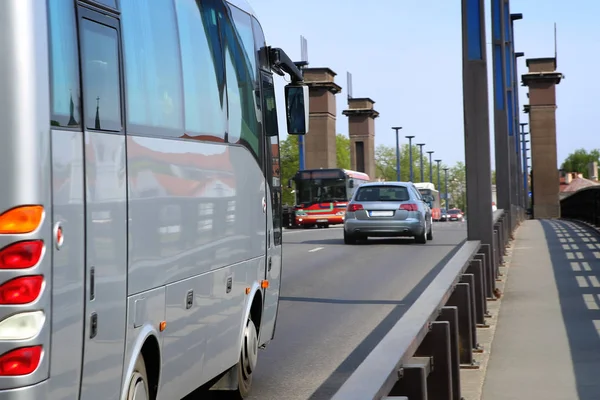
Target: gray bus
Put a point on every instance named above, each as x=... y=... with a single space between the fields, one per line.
x=140 y=209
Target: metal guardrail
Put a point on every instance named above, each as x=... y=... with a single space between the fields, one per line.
x=583 y=205
x=421 y=356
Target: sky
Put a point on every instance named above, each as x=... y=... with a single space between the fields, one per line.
x=407 y=57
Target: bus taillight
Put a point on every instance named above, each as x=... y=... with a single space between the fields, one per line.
x=21 y=255
x=23 y=290
x=24 y=219
x=21 y=361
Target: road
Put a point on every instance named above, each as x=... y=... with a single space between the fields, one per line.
x=337 y=302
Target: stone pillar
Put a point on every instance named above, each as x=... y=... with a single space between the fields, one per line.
x=361 y=129
x=319 y=143
x=542 y=79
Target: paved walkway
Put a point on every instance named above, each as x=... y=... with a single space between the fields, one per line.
x=547 y=343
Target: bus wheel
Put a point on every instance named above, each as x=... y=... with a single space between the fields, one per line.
x=248 y=359
x=138 y=383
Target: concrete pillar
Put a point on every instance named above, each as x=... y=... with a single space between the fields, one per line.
x=542 y=79
x=320 y=145
x=476 y=125
x=361 y=129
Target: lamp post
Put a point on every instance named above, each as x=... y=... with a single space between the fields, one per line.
x=421 y=159
x=439 y=184
x=446 y=190
x=430 y=152
x=410 y=160
x=397 y=128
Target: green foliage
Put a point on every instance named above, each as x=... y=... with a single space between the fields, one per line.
x=579 y=160
x=288 y=153
x=385 y=162
x=342 y=147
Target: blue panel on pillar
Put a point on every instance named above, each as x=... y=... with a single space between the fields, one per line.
x=474 y=29
x=498 y=78
x=508 y=57
x=507 y=24
x=510 y=112
x=497 y=19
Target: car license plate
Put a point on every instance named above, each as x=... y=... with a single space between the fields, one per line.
x=321 y=220
x=382 y=213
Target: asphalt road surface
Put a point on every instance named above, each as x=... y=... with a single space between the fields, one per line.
x=338 y=301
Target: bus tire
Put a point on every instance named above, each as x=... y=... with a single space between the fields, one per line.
x=138 y=382
x=248 y=358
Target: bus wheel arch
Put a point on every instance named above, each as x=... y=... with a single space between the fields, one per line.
x=146 y=372
x=249 y=348
x=151 y=355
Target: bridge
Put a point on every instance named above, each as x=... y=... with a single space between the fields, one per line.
x=500 y=306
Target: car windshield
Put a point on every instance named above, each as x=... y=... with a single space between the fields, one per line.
x=382 y=193
x=453 y=211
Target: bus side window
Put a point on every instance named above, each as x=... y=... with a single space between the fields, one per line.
x=153 y=68
x=101 y=78
x=64 y=65
x=241 y=73
x=203 y=72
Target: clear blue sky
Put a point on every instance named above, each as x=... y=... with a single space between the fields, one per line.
x=406 y=55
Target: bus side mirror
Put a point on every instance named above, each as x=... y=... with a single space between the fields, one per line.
x=296 y=109
x=289 y=184
x=351 y=184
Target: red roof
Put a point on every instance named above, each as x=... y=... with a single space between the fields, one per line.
x=578 y=182
x=218 y=162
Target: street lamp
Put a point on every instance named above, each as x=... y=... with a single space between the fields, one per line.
x=430 y=152
x=410 y=160
x=446 y=190
x=421 y=159
x=397 y=128
x=439 y=185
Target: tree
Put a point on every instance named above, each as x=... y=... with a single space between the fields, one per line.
x=457 y=186
x=289 y=161
x=342 y=147
x=579 y=160
x=385 y=162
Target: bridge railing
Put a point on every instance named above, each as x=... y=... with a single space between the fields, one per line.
x=422 y=354
x=583 y=205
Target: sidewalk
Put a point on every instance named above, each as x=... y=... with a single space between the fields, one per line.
x=547 y=343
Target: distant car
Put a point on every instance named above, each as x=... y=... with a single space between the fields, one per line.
x=387 y=209
x=444 y=216
x=455 y=215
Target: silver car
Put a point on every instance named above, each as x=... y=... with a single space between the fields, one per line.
x=385 y=209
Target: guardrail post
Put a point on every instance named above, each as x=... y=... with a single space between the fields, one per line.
x=485 y=272
x=496 y=247
x=470 y=279
x=437 y=345
x=476 y=268
x=461 y=298
x=413 y=382
x=489 y=276
x=450 y=315
x=499 y=243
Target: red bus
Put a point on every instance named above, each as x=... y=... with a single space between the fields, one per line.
x=322 y=195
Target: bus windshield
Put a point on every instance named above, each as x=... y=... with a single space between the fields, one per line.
x=321 y=190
